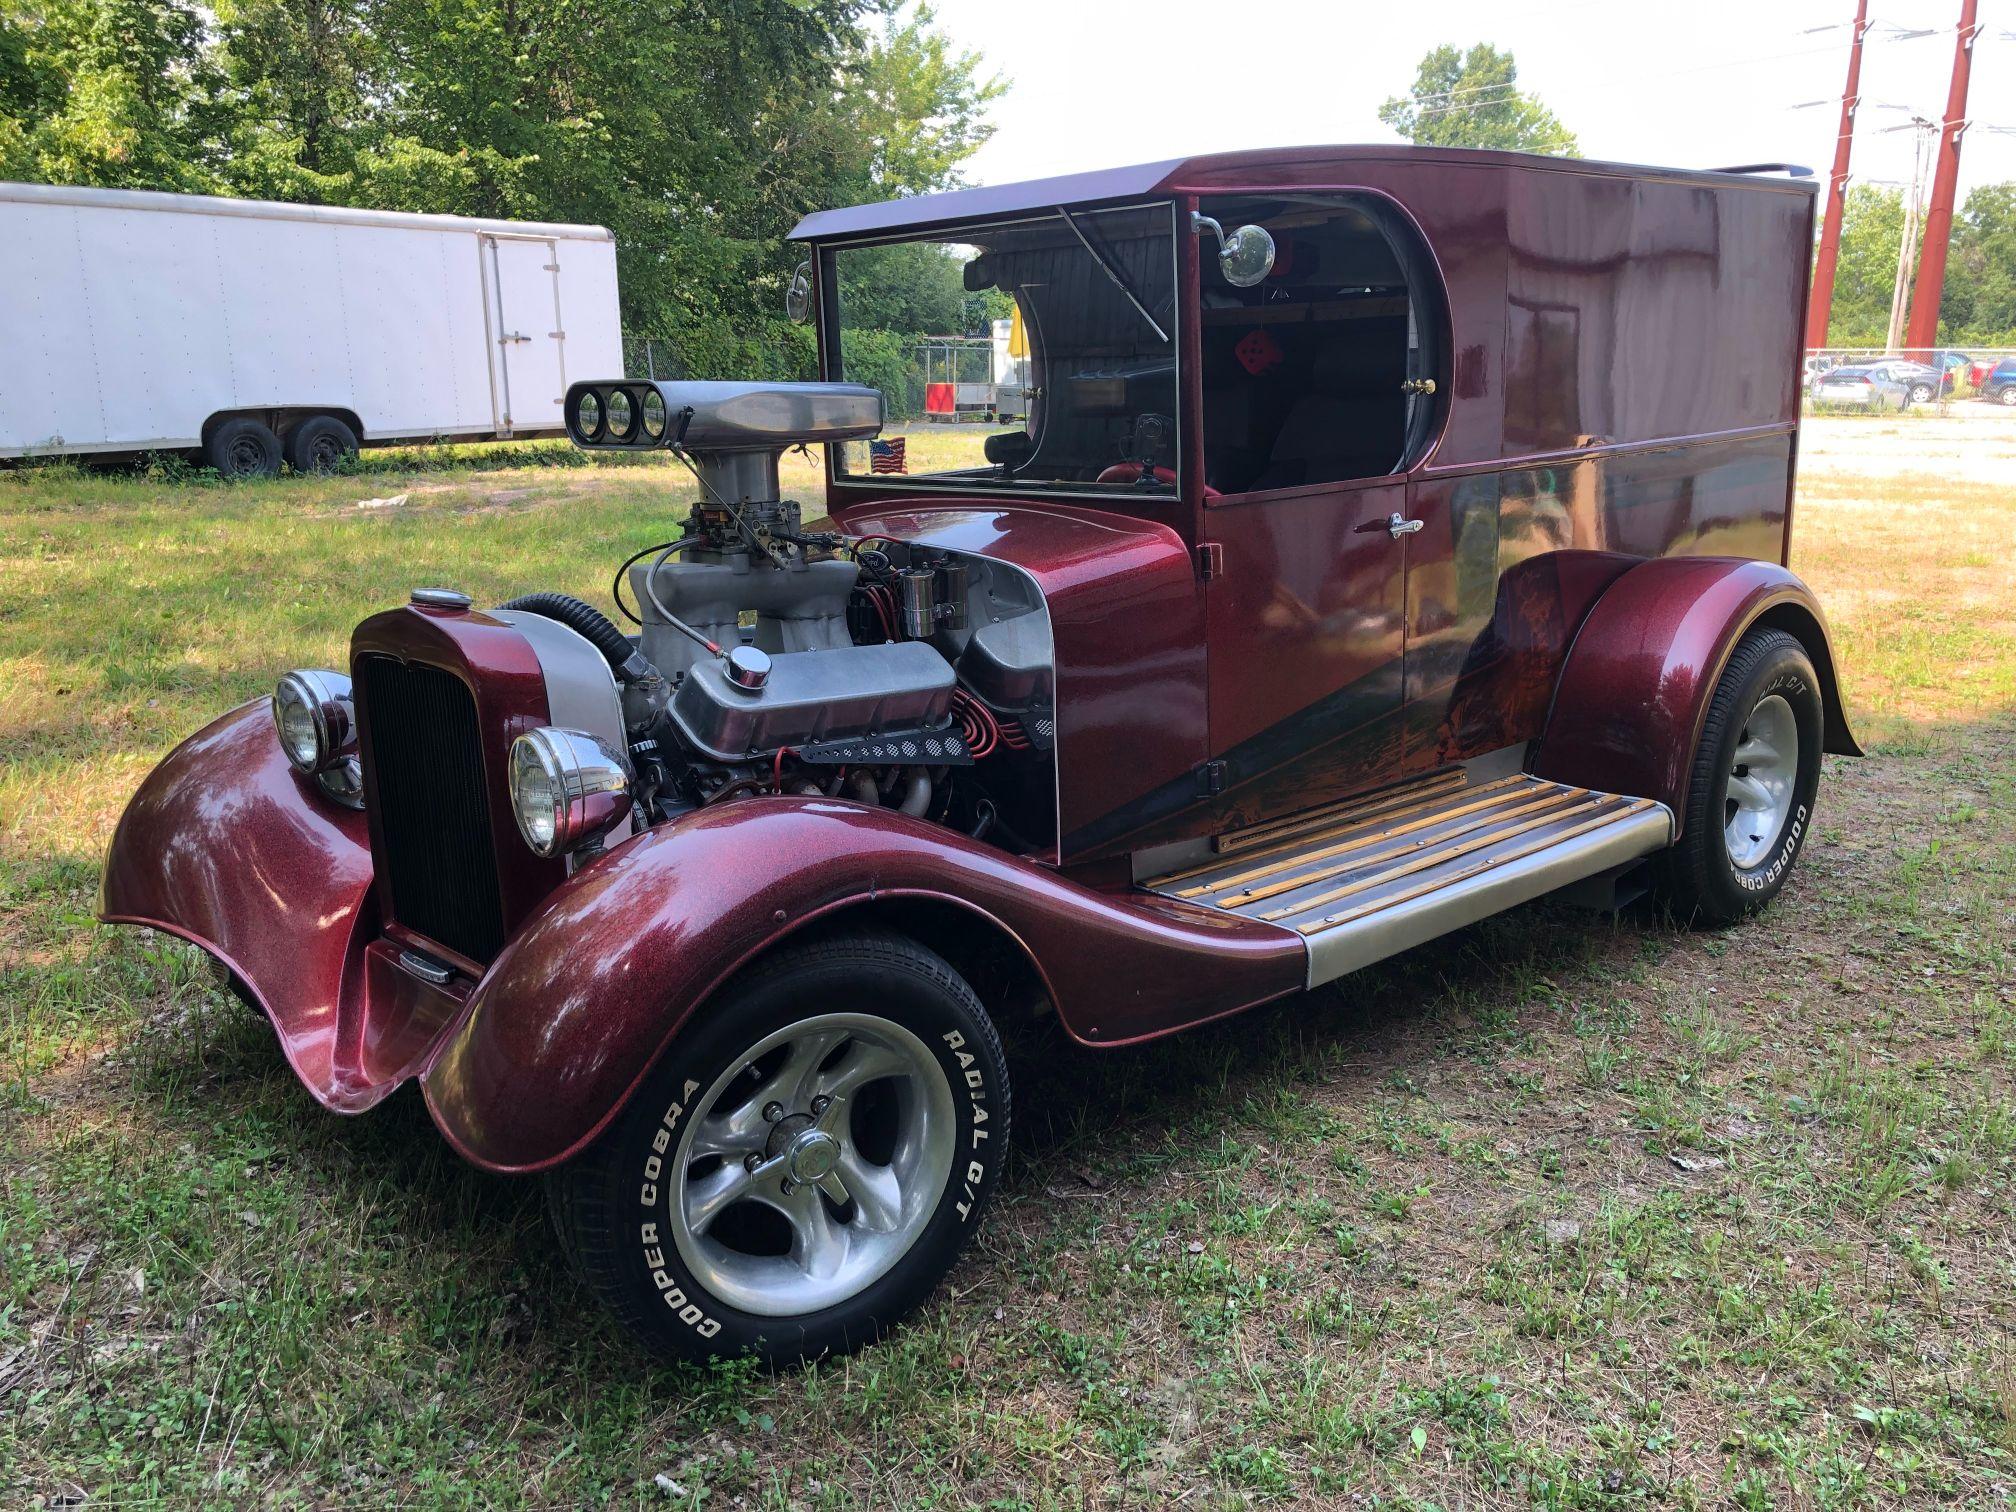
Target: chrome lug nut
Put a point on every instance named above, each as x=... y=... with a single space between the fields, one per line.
x=788 y=1186
x=751 y=1161
x=772 y=1112
x=821 y=1104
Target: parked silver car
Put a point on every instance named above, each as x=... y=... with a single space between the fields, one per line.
x=1869 y=386
x=1922 y=382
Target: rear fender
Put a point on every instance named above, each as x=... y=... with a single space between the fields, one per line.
x=1633 y=696
x=577 y=1009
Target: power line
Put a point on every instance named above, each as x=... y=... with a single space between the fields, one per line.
x=1636 y=82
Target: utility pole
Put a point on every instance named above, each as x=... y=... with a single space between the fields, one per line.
x=1821 y=305
x=1923 y=332
x=1907 y=248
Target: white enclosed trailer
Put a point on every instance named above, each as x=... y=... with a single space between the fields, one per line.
x=247 y=331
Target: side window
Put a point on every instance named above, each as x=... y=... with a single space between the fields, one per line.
x=1317 y=374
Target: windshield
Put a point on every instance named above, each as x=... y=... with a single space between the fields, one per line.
x=1036 y=353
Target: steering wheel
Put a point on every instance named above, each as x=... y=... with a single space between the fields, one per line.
x=1125 y=473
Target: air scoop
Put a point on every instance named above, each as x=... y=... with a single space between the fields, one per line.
x=733 y=432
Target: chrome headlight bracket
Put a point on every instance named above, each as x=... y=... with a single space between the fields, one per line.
x=343 y=783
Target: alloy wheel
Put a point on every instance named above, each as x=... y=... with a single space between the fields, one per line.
x=1763 y=775
x=813 y=1164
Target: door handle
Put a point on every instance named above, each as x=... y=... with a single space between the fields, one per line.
x=1395 y=525
x=1418 y=386
x=510 y=336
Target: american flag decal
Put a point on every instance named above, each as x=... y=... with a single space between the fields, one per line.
x=887 y=456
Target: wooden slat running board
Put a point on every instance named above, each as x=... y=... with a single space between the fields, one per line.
x=1313 y=826
x=1348 y=810
x=1362 y=879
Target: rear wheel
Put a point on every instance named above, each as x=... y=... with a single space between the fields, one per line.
x=2007 y=396
x=804 y=1164
x=320 y=443
x=1751 y=794
x=243 y=448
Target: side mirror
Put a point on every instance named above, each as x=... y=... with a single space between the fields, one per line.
x=798 y=295
x=1245 y=257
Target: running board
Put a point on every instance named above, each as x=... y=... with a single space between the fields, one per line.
x=1366 y=878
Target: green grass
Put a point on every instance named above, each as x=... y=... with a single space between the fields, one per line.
x=1420 y=1240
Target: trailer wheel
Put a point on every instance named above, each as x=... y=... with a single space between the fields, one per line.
x=319 y=443
x=1750 y=797
x=803 y=1165
x=243 y=448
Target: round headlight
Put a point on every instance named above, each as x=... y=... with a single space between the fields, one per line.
x=622 y=415
x=567 y=789
x=312 y=713
x=588 y=416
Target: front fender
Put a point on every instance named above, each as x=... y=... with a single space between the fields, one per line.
x=225 y=845
x=1632 y=699
x=580 y=1005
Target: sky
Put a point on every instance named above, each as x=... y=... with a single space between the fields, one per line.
x=1694 y=84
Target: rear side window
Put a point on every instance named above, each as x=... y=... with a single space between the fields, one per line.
x=1322 y=372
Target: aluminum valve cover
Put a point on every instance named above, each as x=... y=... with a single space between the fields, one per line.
x=814 y=696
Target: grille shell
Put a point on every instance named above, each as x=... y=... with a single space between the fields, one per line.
x=432 y=813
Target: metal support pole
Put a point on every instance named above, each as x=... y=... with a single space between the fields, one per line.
x=1923 y=332
x=1821 y=305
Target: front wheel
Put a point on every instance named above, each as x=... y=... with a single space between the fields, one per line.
x=1755 y=776
x=1921 y=393
x=804 y=1164
x=2007 y=396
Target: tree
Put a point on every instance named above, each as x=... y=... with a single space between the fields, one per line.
x=1865 y=274
x=1978 y=306
x=1471 y=99
x=304 y=74
x=114 y=92
x=698 y=131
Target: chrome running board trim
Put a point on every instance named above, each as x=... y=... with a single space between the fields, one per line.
x=1368 y=878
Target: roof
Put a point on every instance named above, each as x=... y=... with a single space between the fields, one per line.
x=249 y=209
x=1216 y=172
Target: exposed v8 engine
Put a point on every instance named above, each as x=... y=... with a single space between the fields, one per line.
x=771 y=658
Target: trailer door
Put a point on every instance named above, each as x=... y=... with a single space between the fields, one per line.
x=529 y=336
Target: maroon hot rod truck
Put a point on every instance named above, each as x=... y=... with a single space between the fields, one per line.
x=1395 y=536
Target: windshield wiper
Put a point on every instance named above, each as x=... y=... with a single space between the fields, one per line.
x=1119 y=282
